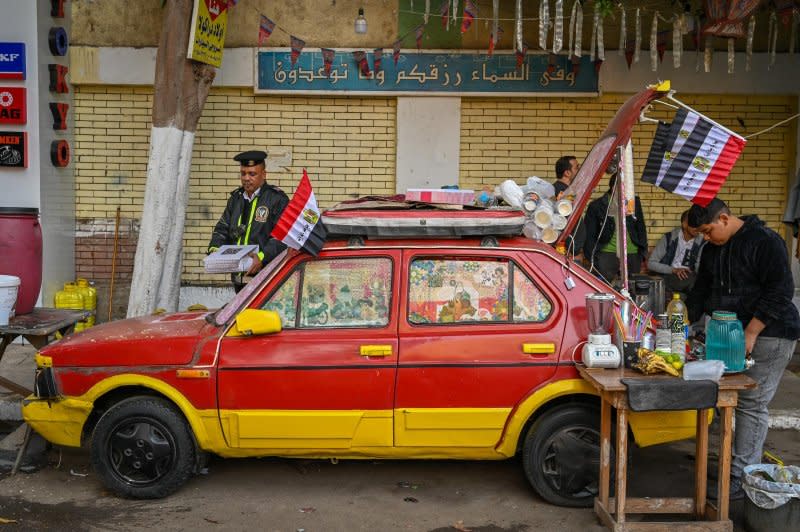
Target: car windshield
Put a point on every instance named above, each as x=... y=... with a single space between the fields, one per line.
x=221 y=316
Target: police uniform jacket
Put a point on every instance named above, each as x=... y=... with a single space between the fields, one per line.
x=244 y=222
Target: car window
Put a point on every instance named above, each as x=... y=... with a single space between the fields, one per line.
x=350 y=292
x=470 y=290
x=530 y=304
x=284 y=301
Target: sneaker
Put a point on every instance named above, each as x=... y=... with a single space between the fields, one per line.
x=736 y=491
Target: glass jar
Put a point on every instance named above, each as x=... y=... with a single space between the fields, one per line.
x=725 y=340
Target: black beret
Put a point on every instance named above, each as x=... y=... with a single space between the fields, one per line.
x=250 y=158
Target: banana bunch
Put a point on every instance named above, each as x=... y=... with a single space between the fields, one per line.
x=650 y=362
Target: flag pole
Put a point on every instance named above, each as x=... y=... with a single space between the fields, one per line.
x=672 y=98
x=622 y=228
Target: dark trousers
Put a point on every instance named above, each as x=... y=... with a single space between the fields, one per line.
x=607 y=264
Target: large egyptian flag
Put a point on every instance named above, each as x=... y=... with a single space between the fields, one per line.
x=692 y=157
x=300 y=225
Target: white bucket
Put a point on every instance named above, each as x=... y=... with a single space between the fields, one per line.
x=9 y=286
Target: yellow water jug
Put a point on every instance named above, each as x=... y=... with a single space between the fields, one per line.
x=89 y=294
x=70 y=298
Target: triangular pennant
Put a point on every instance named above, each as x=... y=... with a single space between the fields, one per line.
x=470 y=12
x=361 y=60
x=493 y=40
x=419 y=31
x=552 y=59
x=444 y=10
x=327 y=59
x=520 y=54
x=576 y=64
x=396 y=51
x=377 y=58
x=597 y=64
x=630 y=48
x=297 y=47
x=661 y=44
x=265 y=29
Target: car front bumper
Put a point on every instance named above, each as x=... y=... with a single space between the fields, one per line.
x=59 y=421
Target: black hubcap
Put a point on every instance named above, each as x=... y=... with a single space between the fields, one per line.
x=572 y=462
x=141 y=451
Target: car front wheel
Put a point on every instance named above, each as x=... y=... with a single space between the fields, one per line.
x=142 y=448
x=561 y=456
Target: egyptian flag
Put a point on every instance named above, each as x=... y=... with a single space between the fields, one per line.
x=327 y=60
x=692 y=157
x=396 y=51
x=520 y=54
x=300 y=225
x=470 y=11
x=297 y=47
x=377 y=58
x=361 y=60
x=265 y=29
x=494 y=40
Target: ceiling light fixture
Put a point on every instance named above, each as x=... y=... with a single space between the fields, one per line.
x=361 y=22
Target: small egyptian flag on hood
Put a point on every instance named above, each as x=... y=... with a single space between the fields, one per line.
x=300 y=226
x=470 y=12
x=297 y=47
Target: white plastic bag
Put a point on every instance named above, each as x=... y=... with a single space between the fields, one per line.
x=703 y=370
x=767 y=494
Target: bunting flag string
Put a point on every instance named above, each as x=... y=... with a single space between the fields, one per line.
x=731 y=55
x=419 y=31
x=751 y=29
x=495 y=23
x=558 y=27
x=677 y=40
x=654 y=43
x=444 y=10
x=623 y=32
x=595 y=23
x=327 y=60
x=637 y=38
x=427 y=11
x=772 y=38
x=454 y=11
x=708 y=54
x=297 y=47
x=518 y=44
x=544 y=23
x=470 y=12
x=575 y=29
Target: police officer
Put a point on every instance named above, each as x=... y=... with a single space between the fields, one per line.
x=250 y=215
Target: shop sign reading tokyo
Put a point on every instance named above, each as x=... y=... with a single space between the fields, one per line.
x=207 y=37
x=58 y=43
x=445 y=72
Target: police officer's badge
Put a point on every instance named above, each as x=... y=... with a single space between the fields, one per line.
x=261 y=214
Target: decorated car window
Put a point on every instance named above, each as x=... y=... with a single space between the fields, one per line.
x=284 y=301
x=346 y=293
x=469 y=290
x=530 y=304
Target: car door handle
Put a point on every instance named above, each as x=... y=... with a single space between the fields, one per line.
x=539 y=349
x=376 y=350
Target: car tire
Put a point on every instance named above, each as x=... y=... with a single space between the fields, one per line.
x=561 y=456
x=143 y=448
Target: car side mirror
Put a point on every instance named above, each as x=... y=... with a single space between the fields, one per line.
x=253 y=322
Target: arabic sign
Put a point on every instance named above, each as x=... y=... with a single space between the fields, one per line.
x=12 y=105
x=12 y=60
x=429 y=72
x=13 y=148
x=207 y=37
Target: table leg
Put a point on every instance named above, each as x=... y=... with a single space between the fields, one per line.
x=24 y=447
x=724 y=481
x=701 y=463
x=622 y=464
x=605 y=451
x=38 y=341
x=5 y=342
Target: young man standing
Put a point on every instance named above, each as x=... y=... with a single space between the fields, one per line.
x=677 y=256
x=744 y=268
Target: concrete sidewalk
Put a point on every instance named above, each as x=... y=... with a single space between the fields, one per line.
x=18 y=366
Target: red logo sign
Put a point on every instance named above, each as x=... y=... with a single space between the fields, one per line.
x=12 y=105
x=13 y=149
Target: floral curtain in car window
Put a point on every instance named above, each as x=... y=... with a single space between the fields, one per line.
x=448 y=291
x=529 y=302
x=346 y=293
x=284 y=301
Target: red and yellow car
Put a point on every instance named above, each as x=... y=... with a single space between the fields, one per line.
x=461 y=348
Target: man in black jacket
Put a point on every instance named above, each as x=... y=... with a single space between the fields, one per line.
x=600 y=246
x=250 y=215
x=744 y=268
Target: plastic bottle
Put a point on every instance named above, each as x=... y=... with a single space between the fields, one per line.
x=679 y=323
x=70 y=298
x=89 y=294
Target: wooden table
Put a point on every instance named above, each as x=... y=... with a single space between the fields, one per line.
x=37 y=327
x=611 y=511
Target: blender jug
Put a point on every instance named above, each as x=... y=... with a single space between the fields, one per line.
x=598 y=312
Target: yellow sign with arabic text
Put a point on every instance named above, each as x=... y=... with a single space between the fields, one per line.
x=207 y=36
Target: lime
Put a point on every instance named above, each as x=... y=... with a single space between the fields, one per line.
x=677 y=364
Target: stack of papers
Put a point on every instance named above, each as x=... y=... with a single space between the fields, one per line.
x=228 y=259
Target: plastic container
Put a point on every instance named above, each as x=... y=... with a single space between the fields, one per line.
x=725 y=340
x=9 y=288
x=541 y=187
x=71 y=299
x=532 y=231
x=703 y=370
x=89 y=294
x=530 y=201
x=21 y=253
x=549 y=235
x=678 y=323
x=559 y=222
x=543 y=215
x=663 y=340
x=564 y=207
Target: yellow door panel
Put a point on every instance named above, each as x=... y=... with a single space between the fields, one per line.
x=449 y=427
x=279 y=429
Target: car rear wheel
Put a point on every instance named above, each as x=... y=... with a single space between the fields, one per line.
x=561 y=456
x=143 y=448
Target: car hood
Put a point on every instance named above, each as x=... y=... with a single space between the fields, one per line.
x=169 y=339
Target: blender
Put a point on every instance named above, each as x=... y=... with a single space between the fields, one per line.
x=599 y=352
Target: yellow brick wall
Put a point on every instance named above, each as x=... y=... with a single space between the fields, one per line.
x=348 y=147
x=513 y=139
x=346 y=144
